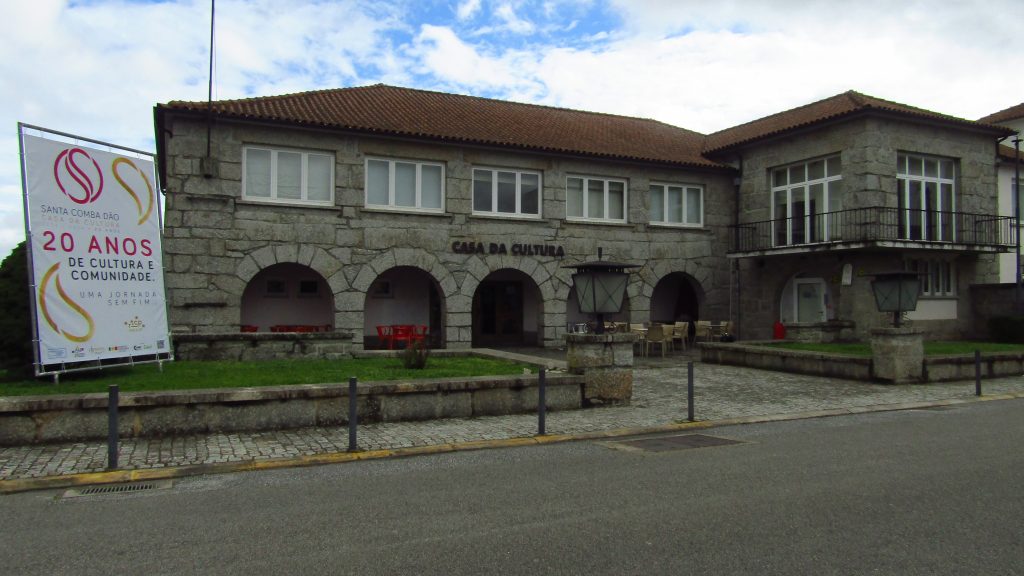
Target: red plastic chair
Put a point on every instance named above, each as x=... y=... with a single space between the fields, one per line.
x=386 y=336
x=402 y=333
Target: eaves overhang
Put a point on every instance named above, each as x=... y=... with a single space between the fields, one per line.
x=995 y=131
x=704 y=164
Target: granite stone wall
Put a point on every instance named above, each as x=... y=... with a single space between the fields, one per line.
x=216 y=241
x=868 y=148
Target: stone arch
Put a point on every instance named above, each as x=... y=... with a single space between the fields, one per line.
x=804 y=298
x=548 y=276
x=657 y=271
x=403 y=297
x=313 y=257
x=677 y=296
x=287 y=297
x=407 y=257
x=508 y=309
x=479 y=268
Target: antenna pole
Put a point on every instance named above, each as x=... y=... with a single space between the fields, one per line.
x=209 y=96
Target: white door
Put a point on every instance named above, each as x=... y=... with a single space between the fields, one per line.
x=810 y=301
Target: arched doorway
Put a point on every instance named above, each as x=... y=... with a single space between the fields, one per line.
x=403 y=295
x=805 y=300
x=508 y=310
x=287 y=298
x=676 y=298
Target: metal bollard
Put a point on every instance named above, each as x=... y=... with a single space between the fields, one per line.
x=352 y=414
x=689 y=390
x=977 y=372
x=542 y=404
x=112 y=400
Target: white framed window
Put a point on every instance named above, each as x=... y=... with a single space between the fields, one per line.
x=287 y=176
x=404 y=185
x=677 y=204
x=595 y=199
x=514 y=193
x=938 y=277
x=803 y=196
x=926 y=197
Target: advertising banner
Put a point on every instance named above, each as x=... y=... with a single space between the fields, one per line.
x=94 y=221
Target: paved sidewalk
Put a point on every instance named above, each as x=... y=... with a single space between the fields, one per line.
x=659 y=399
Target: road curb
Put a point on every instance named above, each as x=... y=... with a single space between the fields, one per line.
x=170 y=472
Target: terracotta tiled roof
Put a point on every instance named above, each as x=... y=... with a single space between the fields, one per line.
x=389 y=110
x=845 y=104
x=1009 y=153
x=1011 y=113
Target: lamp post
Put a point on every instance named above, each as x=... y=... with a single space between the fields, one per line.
x=897 y=353
x=604 y=360
x=896 y=292
x=600 y=287
x=1016 y=216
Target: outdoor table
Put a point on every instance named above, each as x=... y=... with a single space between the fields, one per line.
x=641 y=339
x=407 y=333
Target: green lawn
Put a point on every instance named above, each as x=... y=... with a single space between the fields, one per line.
x=930 y=348
x=193 y=375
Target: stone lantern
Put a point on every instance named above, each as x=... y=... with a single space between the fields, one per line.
x=897 y=353
x=896 y=292
x=606 y=360
x=600 y=287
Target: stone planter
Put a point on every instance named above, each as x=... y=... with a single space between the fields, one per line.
x=606 y=362
x=897 y=355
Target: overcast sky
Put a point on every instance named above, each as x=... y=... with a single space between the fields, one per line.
x=96 y=68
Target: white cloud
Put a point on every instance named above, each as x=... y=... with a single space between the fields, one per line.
x=97 y=68
x=467 y=9
x=454 y=62
x=721 y=69
x=511 y=21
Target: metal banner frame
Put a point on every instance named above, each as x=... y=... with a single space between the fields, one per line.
x=112 y=358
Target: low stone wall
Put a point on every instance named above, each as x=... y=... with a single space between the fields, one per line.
x=831 y=331
x=66 y=418
x=993 y=365
x=247 y=346
x=798 y=361
x=936 y=368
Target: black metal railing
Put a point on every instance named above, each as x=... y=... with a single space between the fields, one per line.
x=876 y=224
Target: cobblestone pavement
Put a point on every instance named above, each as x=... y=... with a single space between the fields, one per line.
x=659 y=398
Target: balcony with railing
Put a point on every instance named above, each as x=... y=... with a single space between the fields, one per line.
x=875 y=227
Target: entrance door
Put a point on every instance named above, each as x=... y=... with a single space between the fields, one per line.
x=810 y=301
x=499 y=313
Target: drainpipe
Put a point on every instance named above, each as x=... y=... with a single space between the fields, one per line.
x=1016 y=212
x=736 y=243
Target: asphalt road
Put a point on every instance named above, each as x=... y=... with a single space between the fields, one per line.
x=915 y=492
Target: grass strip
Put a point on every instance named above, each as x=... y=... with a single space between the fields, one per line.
x=191 y=375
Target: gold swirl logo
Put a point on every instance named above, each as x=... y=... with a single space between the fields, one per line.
x=44 y=307
x=143 y=213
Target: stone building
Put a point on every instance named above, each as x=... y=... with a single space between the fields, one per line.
x=352 y=209
x=1012 y=118
x=835 y=191
x=364 y=207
